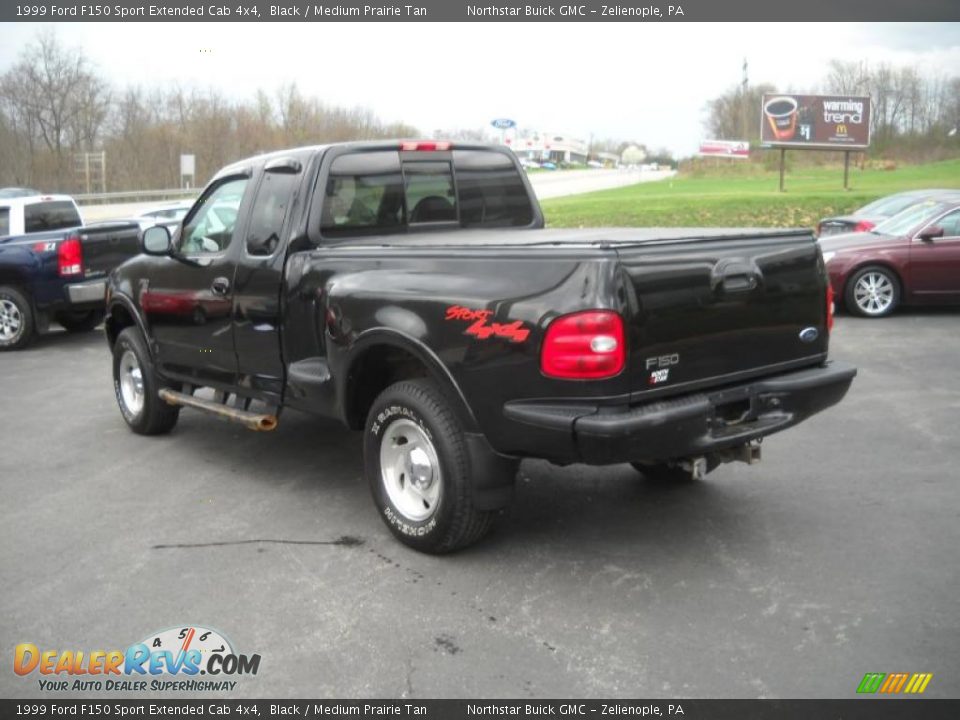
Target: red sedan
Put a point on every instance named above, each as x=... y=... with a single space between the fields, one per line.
x=911 y=259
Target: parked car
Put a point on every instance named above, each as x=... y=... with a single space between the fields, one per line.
x=54 y=268
x=912 y=258
x=17 y=192
x=876 y=212
x=169 y=214
x=410 y=290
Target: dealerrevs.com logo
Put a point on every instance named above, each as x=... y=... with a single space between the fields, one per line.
x=171 y=659
x=894 y=683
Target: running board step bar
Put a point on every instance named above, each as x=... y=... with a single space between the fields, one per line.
x=250 y=420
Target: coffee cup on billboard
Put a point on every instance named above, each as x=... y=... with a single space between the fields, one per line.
x=781 y=113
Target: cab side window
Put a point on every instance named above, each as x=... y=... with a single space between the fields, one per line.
x=269 y=210
x=4 y=221
x=210 y=229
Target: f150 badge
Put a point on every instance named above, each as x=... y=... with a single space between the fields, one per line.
x=482 y=329
x=660 y=367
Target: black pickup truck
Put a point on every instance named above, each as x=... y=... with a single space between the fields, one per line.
x=410 y=290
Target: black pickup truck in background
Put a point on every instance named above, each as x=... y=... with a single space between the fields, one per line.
x=55 y=268
x=411 y=291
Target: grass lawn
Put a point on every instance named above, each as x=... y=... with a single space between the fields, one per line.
x=744 y=198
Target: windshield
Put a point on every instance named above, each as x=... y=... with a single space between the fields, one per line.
x=904 y=222
x=889 y=206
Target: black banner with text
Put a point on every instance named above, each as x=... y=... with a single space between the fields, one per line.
x=406 y=709
x=497 y=11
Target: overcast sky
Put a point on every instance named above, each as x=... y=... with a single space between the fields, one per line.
x=643 y=81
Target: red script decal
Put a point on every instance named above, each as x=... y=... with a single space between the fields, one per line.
x=482 y=329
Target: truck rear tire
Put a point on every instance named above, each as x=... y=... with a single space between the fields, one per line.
x=416 y=462
x=17 y=328
x=137 y=385
x=79 y=321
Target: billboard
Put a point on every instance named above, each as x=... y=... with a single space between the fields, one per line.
x=736 y=149
x=836 y=122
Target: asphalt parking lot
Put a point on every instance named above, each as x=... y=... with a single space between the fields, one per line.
x=836 y=556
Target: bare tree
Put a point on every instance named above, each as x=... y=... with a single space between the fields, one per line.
x=54 y=100
x=726 y=113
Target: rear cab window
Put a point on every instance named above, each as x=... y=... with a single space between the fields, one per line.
x=381 y=192
x=50 y=215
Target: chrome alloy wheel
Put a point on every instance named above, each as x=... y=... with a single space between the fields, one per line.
x=873 y=293
x=11 y=321
x=131 y=383
x=410 y=470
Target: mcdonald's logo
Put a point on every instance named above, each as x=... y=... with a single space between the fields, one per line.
x=841 y=129
x=894 y=683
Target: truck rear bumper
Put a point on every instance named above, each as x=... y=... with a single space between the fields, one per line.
x=87 y=293
x=690 y=425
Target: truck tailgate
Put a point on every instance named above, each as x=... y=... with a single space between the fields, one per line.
x=107 y=245
x=705 y=311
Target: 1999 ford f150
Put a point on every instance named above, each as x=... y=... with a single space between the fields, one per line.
x=410 y=290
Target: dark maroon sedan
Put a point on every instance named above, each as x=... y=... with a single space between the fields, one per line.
x=911 y=259
x=869 y=216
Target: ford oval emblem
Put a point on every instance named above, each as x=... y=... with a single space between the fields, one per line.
x=808 y=335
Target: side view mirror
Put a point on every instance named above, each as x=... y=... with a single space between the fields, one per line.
x=928 y=234
x=156 y=240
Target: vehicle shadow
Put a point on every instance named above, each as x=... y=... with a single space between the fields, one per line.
x=57 y=337
x=570 y=506
x=616 y=510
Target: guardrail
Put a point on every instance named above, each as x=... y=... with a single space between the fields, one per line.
x=132 y=196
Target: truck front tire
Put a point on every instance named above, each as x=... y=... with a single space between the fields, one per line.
x=418 y=467
x=137 y=385
x=16 y=319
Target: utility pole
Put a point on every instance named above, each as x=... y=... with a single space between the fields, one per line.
x=743 y=102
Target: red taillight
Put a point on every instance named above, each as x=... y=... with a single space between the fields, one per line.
x=70 y=257
x=584 y=345
x=424 y=145
x=863 y=226
x=830 y=306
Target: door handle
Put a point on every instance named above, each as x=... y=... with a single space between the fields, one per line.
x=735 y=275
x=220 y=286
x=744 y=282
